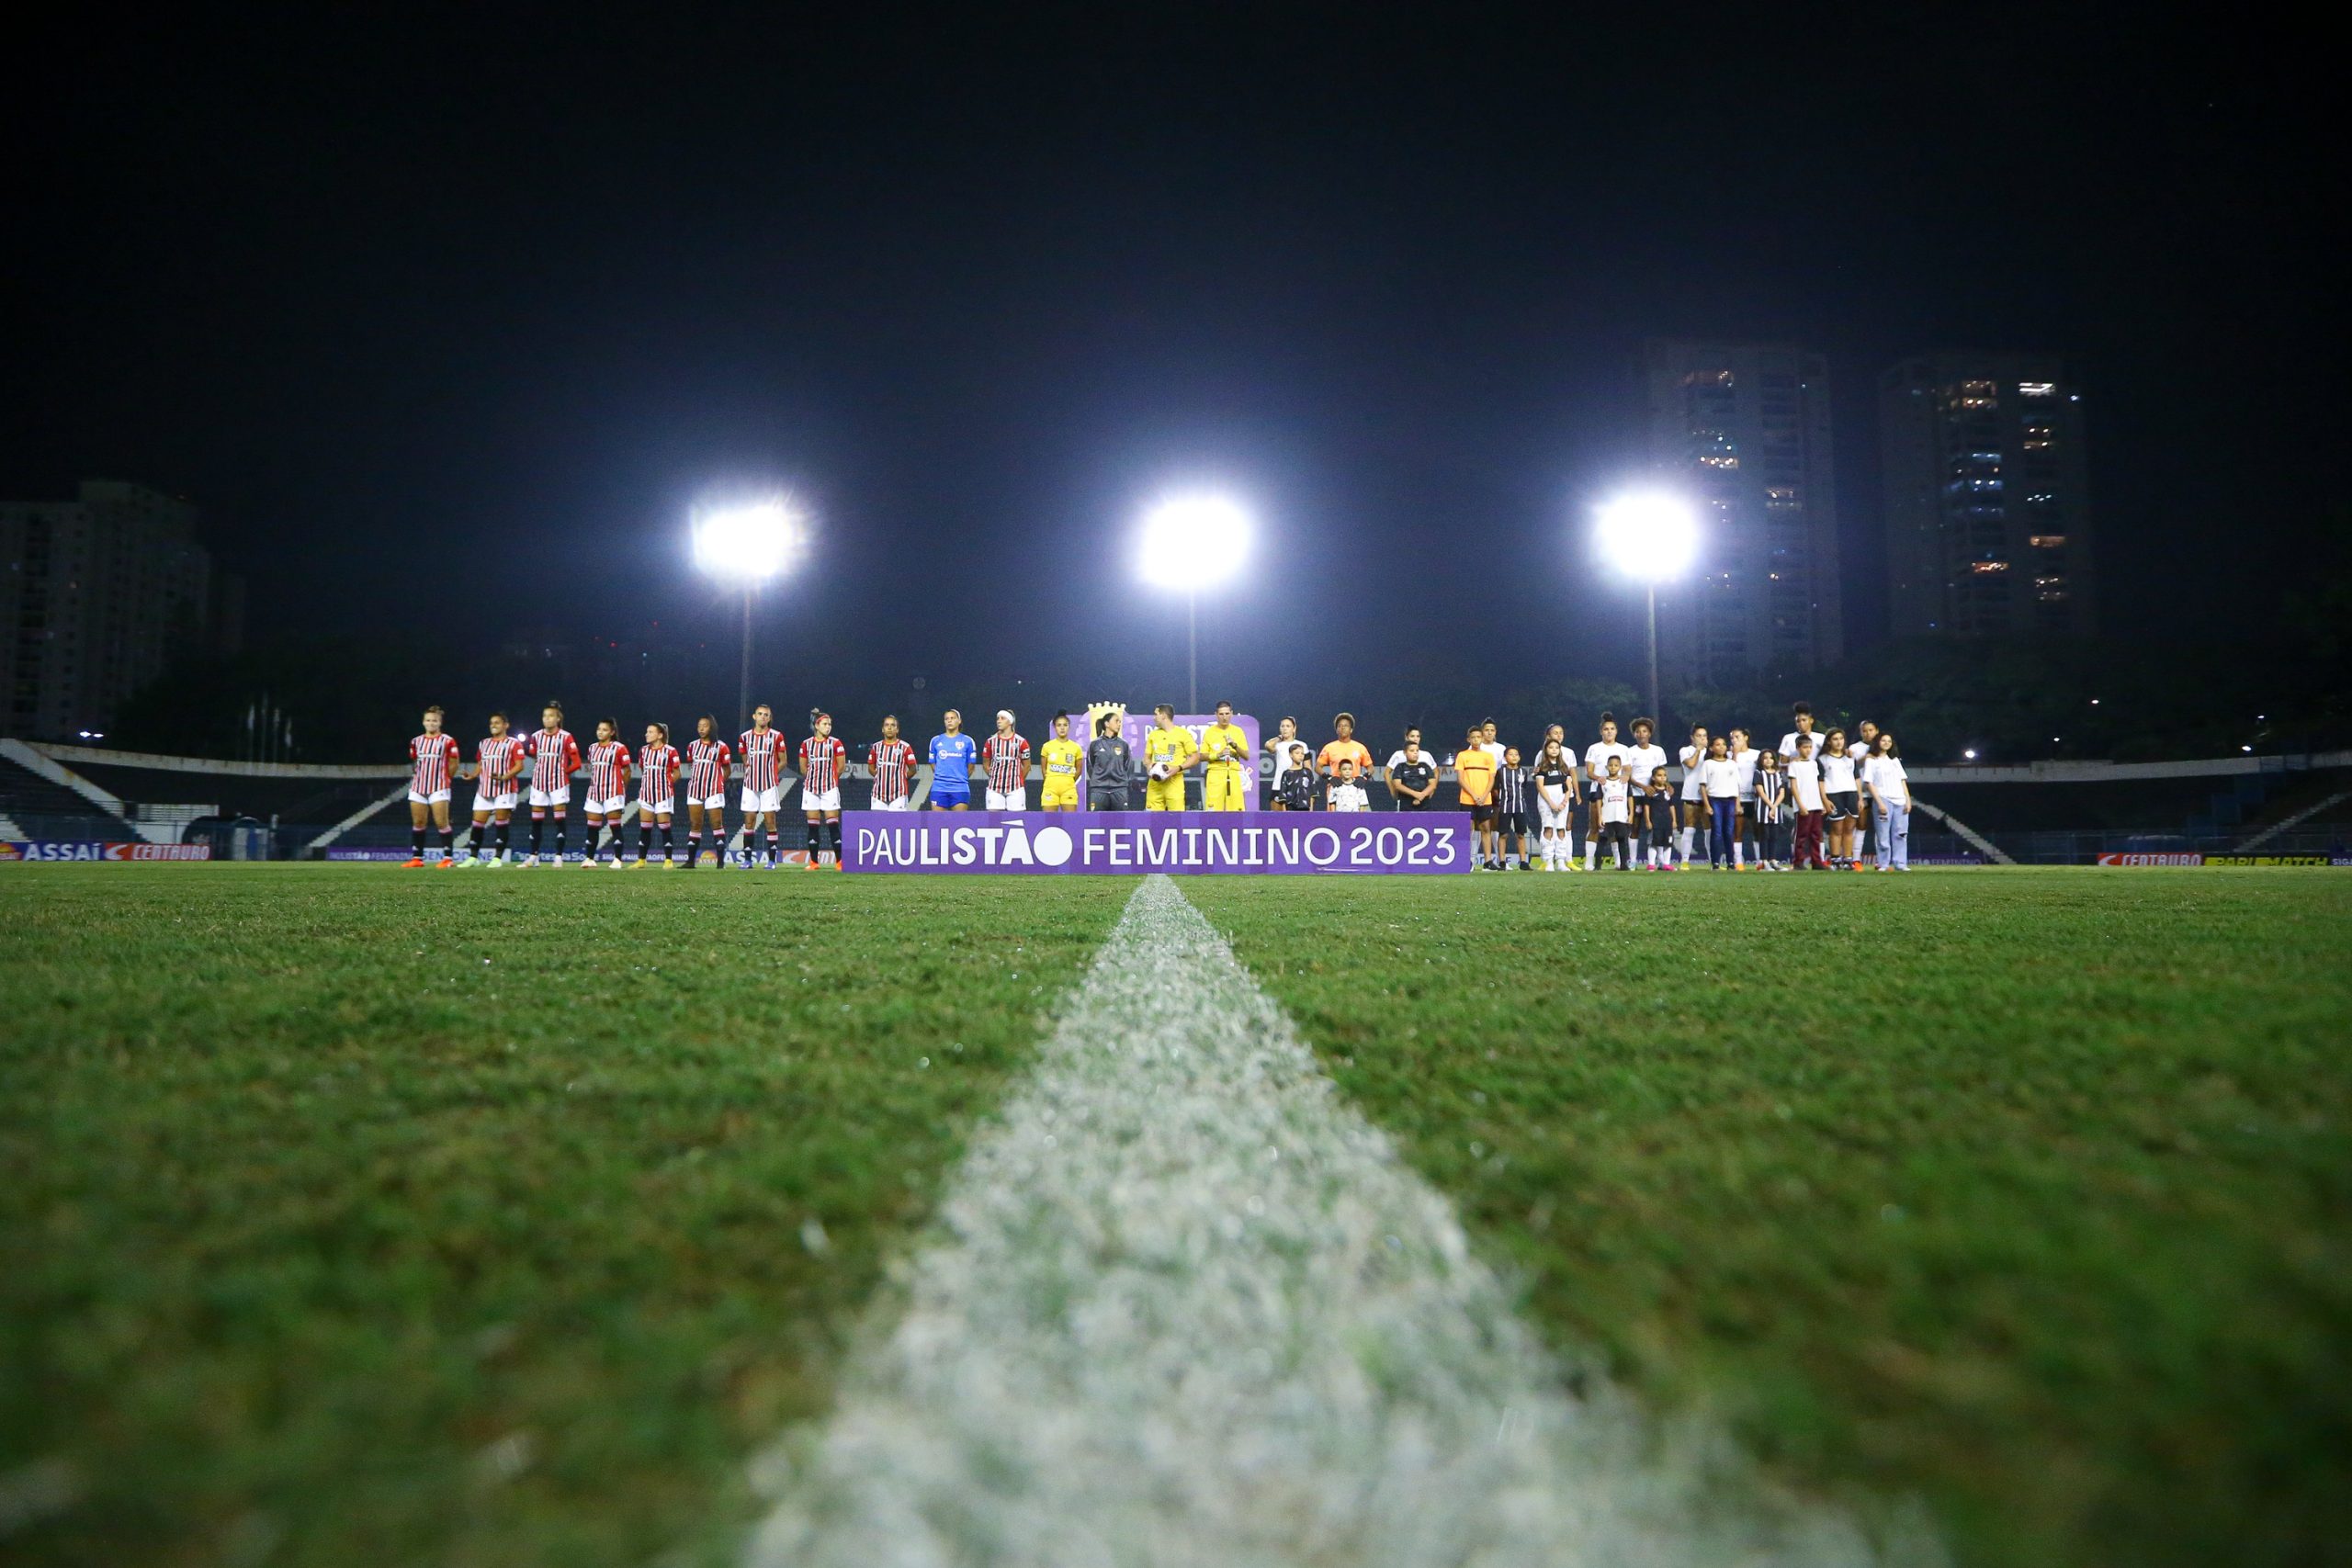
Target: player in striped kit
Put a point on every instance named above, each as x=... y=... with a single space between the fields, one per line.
x=434 y=758
x=893 y=763
x=657 y=778
x=822 y=760
x=707 y=760
x=762 y=749
x=555 y=757
x=607 y=791
x=498 y=761
x=1005 y=755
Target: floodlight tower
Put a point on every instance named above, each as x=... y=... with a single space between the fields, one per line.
x=1651 y=537
x=744 y=545
x=1191 y=542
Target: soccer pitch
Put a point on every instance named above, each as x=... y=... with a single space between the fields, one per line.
x=355 y=1215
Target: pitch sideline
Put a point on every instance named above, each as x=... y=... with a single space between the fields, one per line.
x=1188 y=1308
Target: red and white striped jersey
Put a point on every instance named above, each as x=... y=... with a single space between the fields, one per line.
x=822 y=762
x=555 y=757
x=762 y=754
x=656 y=767
x=496 y=756
x=433 y=758
x=708 y=761
x=893 y=763
x=1007 y=757
x=607 y=768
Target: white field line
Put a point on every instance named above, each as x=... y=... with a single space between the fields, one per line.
x=1188 y=1309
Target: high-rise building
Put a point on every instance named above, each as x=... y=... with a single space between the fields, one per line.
x=1988 y=527
x=96 y=596
x=1743 y=431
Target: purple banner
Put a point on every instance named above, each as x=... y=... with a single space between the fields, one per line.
x=1120 y=843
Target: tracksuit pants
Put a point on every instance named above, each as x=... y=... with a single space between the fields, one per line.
x=1809 y=840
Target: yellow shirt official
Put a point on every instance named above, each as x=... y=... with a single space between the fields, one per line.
x=1176 y=746
x=1223 y=749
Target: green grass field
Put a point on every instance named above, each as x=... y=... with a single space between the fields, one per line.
x=355 y=1216
x=351 y=1215
x=2030 y=1193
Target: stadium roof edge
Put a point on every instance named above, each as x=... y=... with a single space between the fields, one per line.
x=101 y=757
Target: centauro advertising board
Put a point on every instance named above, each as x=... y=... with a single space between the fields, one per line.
x=1289 y=843
x=2196 y=857
x=93 y=849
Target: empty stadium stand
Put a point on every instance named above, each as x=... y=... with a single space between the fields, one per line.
x=33 y=808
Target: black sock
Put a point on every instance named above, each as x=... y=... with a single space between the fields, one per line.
x=505 y=835
x=694 y=845
x=558 y=835
x=775 y=847
x=415 y=842
x=448 y=840
x=538 y=827
x=668 y=841
x=816 y=840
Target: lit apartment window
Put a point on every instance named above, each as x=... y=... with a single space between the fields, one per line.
x=2037 y=438
x=2037 y=389
x=1978 y=395
x=1984 y=566
x=2047 y=541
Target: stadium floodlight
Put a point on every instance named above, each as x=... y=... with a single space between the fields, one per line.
x=746 y=543
x=1191 y=542
x=1651 y=537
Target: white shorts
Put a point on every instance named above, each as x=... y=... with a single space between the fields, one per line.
x=652 y=809
x=611 y=806
x=904 y=803
x=709 y=802
x=812 y=801
x=551 y=796
x=486 y=804
x=438 y=797
x=1008 y=800
x=766 y=799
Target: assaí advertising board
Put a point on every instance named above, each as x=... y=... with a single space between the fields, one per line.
x=96 y=850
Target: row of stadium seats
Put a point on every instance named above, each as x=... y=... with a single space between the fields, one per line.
x=41 y=809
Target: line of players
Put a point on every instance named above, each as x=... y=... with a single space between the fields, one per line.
x=550 y=756
x=1812 y=790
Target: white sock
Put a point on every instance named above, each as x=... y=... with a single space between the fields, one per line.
x=1591 y=849
x=1739 y=851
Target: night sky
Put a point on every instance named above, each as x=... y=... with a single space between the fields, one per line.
x=447 y=317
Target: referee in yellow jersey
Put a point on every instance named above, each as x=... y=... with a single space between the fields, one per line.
x=1223 y=750
x=1167 y=752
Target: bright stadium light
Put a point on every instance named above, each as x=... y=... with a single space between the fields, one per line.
x=1191 y=542
x=1651 y=537
x=743 y=544
x=747 y=544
